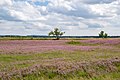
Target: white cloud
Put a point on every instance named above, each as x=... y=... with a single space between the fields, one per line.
x=5 y=2
x=97 y=1
x=76 y=17
x=106 y=9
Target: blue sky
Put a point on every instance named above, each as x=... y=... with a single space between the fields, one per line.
x=41 y=3
x=75 y=17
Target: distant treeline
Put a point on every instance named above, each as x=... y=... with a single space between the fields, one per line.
x=40 y=36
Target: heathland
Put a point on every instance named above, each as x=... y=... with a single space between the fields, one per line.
x=66 y=59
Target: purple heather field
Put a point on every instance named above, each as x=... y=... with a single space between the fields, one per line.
x=25 y=46
x=65 y=59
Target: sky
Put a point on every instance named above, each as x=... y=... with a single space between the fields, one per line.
x=74 y=17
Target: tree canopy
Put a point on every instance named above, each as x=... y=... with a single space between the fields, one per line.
x=57 y=33
x=103 y=35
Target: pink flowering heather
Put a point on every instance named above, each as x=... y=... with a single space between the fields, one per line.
x=33 y=46
x=102 y=41
x=39 y=46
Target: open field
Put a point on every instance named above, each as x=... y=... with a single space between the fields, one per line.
x=83 y=59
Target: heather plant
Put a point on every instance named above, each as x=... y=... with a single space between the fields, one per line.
x=57 y=33
x=56 y=60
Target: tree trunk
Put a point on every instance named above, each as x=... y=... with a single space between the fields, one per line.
x=57 y=38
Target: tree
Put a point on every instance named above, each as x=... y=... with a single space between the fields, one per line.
x=57 y=33
x=103 y=35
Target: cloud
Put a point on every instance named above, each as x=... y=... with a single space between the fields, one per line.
x=5 y=2
x=20 y=11
x=109 y=10
x=94 y=26
x=73 y=16
x=97 y=1
x=70 y=8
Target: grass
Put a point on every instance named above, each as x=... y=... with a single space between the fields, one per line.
x=19 y=61
x=79 y=76
x=23 y=38
x=55 y=65
x=76 y=42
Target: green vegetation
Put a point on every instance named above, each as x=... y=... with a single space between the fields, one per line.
x=74 y=42
x=78 y=43
x=57 y=33
x=9 y=62
x=96 y=64
x=103 y=35
x=23 y=38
